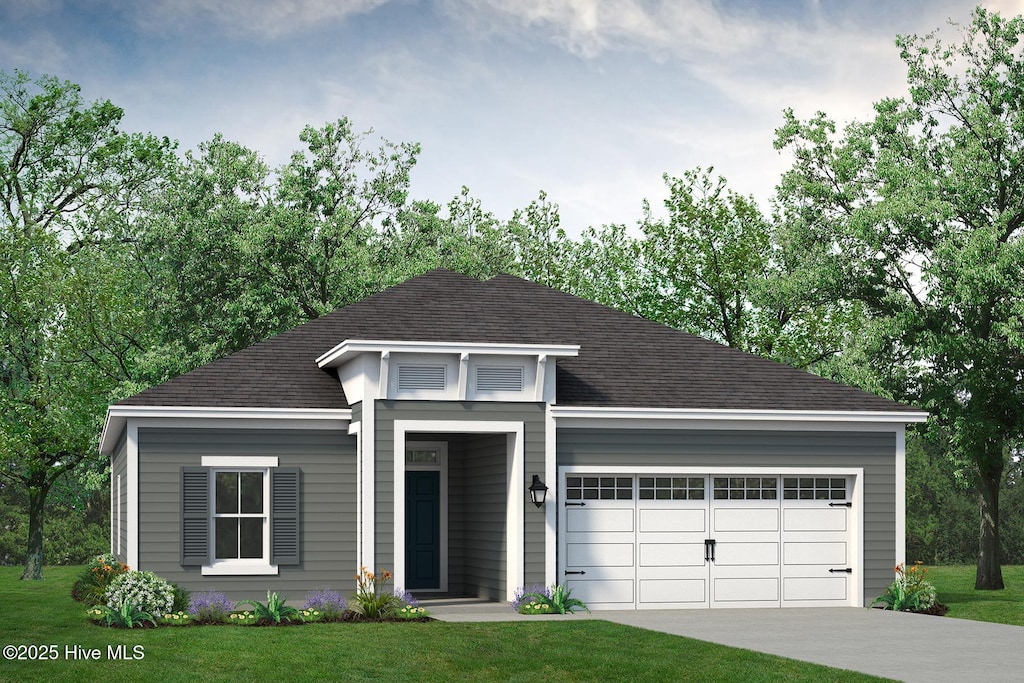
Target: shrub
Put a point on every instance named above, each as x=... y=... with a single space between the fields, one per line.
x=909 y=592
x=542 y=600
x=176 y=618
x=372 y=600
x=182 y=598
x=329 y=603
x=91 y=586
x=537 y=593
x=146 y=590
x=274 y=612
x=210 y=608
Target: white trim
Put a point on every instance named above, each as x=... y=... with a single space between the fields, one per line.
x=233 y=568
x=120 y=511
x=514 y=540
x=238 y=418
x=551 y=502
x=260 y=461
x=351 y=347
x=856 y=497
x=901 y=496
x=367 y=487
x=689 y=414
x=132 y=477
x=441 y=467
x=115 y=522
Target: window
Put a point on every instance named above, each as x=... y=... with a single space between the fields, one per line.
x=814 y=488
x=746 y=488
x=672 y=488
x=599 y=488
x=239 y=519
x=240 y=515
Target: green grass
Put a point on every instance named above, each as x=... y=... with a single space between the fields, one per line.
x=43 y=613
x=955 y=587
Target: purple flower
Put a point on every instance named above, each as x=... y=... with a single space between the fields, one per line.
x=330 y=603
x=210 y=608
x=405 y=598
x=525 y=595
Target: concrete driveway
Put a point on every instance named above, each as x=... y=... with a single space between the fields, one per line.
x=906 y=647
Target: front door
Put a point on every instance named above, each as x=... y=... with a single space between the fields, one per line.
x=423 y=529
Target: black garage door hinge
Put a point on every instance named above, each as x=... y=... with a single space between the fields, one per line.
x=579 y=572
x=847 y=570
x=847 y=504
x=567 y=504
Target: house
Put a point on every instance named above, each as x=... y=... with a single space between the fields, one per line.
x=410 y=431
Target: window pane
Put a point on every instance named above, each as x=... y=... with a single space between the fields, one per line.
x=696 y=483
x=646 y=482
x=573 y=481
x=251 y=537
x=252 y=492
x=425 y=456
x=227 y=492
x=769 y=494
x=227 y=537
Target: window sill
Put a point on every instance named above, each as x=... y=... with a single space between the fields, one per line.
x=233 y=569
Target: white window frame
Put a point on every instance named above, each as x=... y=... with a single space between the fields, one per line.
x=239 y=566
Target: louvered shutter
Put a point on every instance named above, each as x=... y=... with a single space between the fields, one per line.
x=495 y=379
x=195 y=516
x=284 y=515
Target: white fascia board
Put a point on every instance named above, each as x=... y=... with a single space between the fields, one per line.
x=117 y=417
x=587 y=413
x=352 y=347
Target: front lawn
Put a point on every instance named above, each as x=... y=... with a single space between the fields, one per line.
x=955 y=586
x=43 y=613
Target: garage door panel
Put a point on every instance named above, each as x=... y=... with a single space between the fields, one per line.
x=746 y=519
x=809 y=553
x=746 y=590
x=599 y=555
x=599 y=519
x=654 y=520
x=672 y=554
x=603 y=593
x=815 y=519
x=807 y=589
x=747 y=554
x=667 y=592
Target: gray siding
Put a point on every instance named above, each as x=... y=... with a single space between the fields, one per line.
x=357 y=412
x=476 y=558
x=327 y=460
x=874 y=451
x=119 y=523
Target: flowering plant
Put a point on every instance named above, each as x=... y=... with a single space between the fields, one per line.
x=543 y=600
x=210 y=608
x=372 y=600
x=125 y=615
x=411 y=612
x=91 y=586
x=179 y=618
x=909 y=592
x=147 y=591
x=242 y=618
x=329 y=603
x=311 y=615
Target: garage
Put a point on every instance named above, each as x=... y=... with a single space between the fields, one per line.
x=678 y=539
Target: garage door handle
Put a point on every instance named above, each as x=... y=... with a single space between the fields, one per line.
x=846 y=570
x=579 y=572
x=709 y=550
x=847 y=504
x=576 y=504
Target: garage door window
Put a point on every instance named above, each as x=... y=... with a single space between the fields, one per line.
x=816 y=488
x=599 y=488
x=671 y=488
x=746 y=488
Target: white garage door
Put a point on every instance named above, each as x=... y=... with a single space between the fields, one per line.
x=697 y=541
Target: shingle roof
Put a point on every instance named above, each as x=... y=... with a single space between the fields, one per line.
x=623 y=361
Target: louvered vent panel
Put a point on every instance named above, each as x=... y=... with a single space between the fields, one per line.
x=499 y=379
x=421 y=377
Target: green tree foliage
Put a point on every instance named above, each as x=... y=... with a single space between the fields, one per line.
x=70 y=183
x=917 y=215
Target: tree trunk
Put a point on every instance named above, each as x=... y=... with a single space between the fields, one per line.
x=34 y=557
x=990 y=573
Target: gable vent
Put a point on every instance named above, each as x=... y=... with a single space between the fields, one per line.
x=421 y=377
x=499 y=379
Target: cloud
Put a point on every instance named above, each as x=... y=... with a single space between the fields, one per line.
x=264 y=18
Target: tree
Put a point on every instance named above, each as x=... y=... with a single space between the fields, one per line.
x=70 y=183
x=917 y=214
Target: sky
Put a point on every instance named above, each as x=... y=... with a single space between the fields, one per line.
x=591 y=101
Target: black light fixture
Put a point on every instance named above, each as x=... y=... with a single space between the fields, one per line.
x=538 y=491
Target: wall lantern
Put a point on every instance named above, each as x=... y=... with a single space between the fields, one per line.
x=538 y=491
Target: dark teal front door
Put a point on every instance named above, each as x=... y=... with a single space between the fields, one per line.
x=422 y=529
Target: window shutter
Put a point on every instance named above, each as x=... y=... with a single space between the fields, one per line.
x=284 y=515
x=195 y=516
